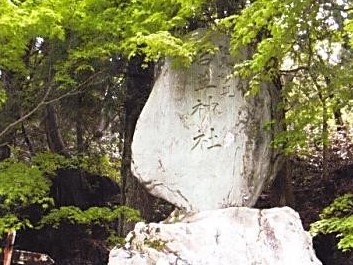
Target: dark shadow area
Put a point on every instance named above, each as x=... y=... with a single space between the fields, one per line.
x=82 y=189
x=71 y=244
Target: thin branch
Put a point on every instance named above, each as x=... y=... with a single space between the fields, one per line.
x=73 y=92
x=76 y=91
x=40 y=104
x=44 y=102
x=295 y=70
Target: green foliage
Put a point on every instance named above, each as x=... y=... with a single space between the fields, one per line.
x=337 y=218
x=305 y=47
x=3 y=96
x=114 y=240
x=10 y=222
x=162 y=43
x=59 y=51
x=49 y=162
x=276 y=21
x=91 y=216
x=20 y=24
x=157 y=244
x=21 y=186
x=95 y=216
x=100 y=164
x=76 y=34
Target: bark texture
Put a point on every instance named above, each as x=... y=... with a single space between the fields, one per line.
x=138 y=87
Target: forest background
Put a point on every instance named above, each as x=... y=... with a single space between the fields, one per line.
x=75 y=75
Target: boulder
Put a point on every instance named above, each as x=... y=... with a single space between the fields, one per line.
x=200 y=142
x=236 y=235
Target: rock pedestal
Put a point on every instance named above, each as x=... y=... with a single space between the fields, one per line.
x=221 y=237
x=200 y=142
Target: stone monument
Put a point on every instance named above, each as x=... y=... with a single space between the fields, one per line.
x=201 y=142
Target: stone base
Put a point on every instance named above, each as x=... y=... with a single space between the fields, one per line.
x=236 y=235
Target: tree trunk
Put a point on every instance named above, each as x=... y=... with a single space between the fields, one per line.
x=325 y=134
x=54 y=138
x=338 y=119
x=8 y=249
x=139 y=82
x=282 y=185
x=27 y=139
x=337 y=114
x=80 y=146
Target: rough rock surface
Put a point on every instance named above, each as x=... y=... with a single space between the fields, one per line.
x=200 y=143
x=236 y=235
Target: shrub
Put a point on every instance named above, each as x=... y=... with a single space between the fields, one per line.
x=337 y=218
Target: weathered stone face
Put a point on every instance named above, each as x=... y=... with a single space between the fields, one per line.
x=225 y=236
x=200 y=143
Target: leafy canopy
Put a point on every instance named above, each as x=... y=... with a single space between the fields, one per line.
x=101 y=29
x=306 y=47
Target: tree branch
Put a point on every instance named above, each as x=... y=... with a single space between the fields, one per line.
x=294 y=70
x=44 y=102
x=40 y=104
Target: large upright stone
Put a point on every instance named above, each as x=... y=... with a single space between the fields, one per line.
x=200 y=143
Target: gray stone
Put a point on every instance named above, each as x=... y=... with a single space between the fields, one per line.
x=236 y=235
x=200 y=142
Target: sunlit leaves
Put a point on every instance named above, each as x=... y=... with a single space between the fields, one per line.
x=3 y=96
x=161 y=44
x=19 y=25
x=268 y=26
x=10 y=222
x=100 y=28
x=337 y=218
x=24 y=185
x=282 y=36
x=48 y=162
x=93 y=215
x=21 y=186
